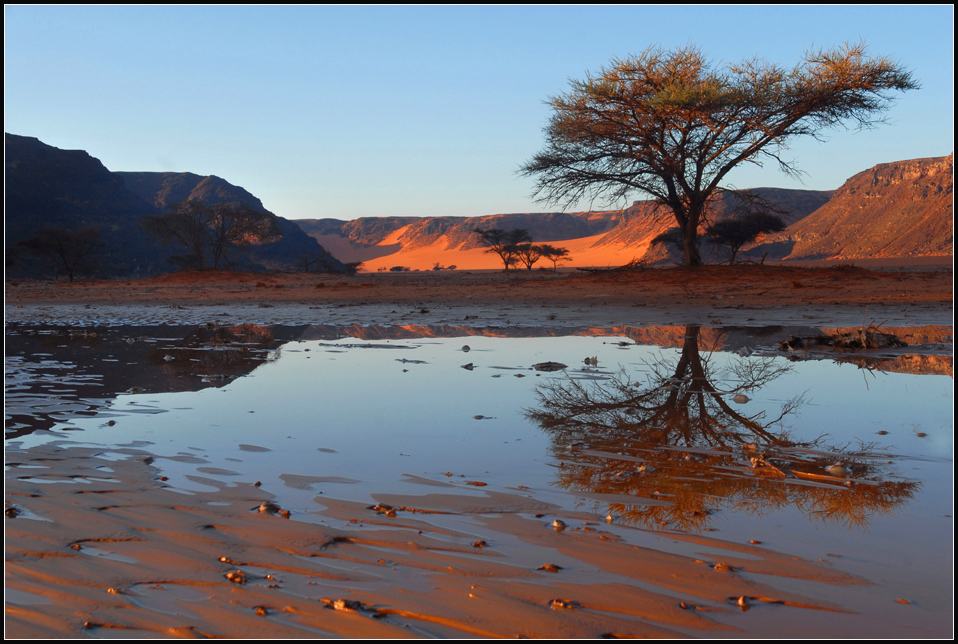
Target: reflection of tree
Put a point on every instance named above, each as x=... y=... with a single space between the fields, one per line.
x=679 y=445
x=215 y=352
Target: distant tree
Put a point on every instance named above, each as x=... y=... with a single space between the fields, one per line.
x=671 y=237
x=320 y=263
x=554 y=255
x=352 y=268
x=68 y=250
x=503 y=243
x=208 y=232
x=528 y=254
x=735 y=232
x=673 y=124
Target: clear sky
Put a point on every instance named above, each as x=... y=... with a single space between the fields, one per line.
x=370 y=111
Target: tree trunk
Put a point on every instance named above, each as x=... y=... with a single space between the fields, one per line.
x=690 y=244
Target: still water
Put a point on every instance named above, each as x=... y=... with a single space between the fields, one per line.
x=683 y=429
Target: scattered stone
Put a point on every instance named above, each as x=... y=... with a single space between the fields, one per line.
x=549 y=567
x=556 y=604
x=237 y=577
x=549 y=366
x=342 y=604
x=383 y=508
x=838 y=469
x=480 y=544
x=469 y=367
x=742 y=602
x=559 y=525
x=741 y=399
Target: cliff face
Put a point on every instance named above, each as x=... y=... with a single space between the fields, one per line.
x=165 y=189
x=46 y=186
x=901 y=209
x=594 y=238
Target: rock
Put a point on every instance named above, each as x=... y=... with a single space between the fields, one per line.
x=549 y=366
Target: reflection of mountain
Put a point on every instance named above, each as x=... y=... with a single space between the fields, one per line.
x=54 y=374
x=675 y=450
x=916 y=364
x=714 y=338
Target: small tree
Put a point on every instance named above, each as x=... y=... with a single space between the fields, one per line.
x=503 y=243
x=209 y=231
x=554 y=255
x=68 y=250
x=735 y=232
x=528 y=254
x=672 y=125
x=671 y=237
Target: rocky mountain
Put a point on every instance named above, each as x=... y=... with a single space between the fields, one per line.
x=165 y=189
x=70 y=189
x=594 y=238
x=901 y=209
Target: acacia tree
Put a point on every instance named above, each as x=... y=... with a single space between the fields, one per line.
x=671 y=125
x=554 y=255
x=735 y=232
x=206 y=230
x=68 y=250
x=528 y=254
x=504 y=243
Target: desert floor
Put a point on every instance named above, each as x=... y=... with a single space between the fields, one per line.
x=753 y=295
x=120 y=554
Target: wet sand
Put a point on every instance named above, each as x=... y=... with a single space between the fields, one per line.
x=110 y=550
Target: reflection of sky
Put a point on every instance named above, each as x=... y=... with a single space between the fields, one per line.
x=851 y=405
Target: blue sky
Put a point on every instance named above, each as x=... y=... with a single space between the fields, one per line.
x=371 y=111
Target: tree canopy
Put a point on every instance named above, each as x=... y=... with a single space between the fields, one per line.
x=208 y=232
x=504 y=243
x=672 y=125
x=68 y=250
x=735 y=232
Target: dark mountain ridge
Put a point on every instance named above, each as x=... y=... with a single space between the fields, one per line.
x=47 y=186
